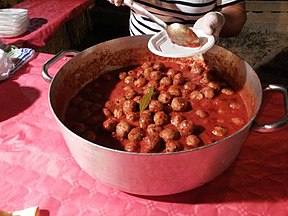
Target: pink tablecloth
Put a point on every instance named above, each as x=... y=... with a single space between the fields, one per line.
x=36 y=167
x=46 y=18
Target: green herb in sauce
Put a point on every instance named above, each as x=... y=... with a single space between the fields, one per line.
x=146 y=99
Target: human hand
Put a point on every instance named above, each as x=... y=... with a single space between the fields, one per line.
x=211 y=23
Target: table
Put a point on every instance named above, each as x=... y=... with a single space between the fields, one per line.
x=37 y=168
x=46 y=19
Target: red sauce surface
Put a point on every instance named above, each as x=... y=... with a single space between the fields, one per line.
x=211 y=109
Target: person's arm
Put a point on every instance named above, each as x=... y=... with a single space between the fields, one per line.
x=235 y=18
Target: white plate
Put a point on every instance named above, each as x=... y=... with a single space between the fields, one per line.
x=10 y=34
x=160 y=44
x=13 y=11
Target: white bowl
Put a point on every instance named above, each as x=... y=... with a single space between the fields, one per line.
x=13 y=19
x=12 y=34
x=13 y=30
x=13 y=11
x=20 y=28
x=14 y=27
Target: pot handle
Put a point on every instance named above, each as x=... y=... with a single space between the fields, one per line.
x=53 y=60
x=278 y=124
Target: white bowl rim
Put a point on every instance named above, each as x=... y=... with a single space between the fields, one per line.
x=13 y=34
x=14 y=11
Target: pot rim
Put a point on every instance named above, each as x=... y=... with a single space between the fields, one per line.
x=248 y=124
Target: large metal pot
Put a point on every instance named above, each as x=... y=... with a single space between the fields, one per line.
x=155 y=173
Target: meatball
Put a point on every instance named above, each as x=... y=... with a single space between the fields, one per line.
x=165 y=97
x=186 y=128
x=176 y=119
x=140 y=82
x=155 y=106
x=129 y=79
x=153 y=83
x=147 y=112
x=206 y=79
x=110 y=124
x=78 y=128
x=171 y=73
x=165 y=81
x=155 y=75
x=136 y=134
x=178 y=79
x=237 y=121
x=227 y=91
x=137 y=99
x=179 y=104
x=85 y=114
x=130 y=94
x=140 y=72
x=168 y=134
x=159 y=66
x=120 y=100
x=76 y=101
x=215 y=85
x=122 y=75
x=146 y=73
x=234 y=105
x=95 y=120
x=201 y=113
x=196 y=95
x=151 y=144
x=118 y=112
x=129 y=106
x=122 y=129
x=190 y=86
x=132 y=116
x=89 y=135
x=145 y=120
x=132 y=73
x=127 y=88
x=219 y=131
x=172 y=146
x=192 y=141
x=154 y=130
x=197 y=68
x=109 y=105
x=207 y=92
x=161 y=118
x=85 y=104
x=146 y=65
x=131 y=146
x=174 y=90
x=185 y=93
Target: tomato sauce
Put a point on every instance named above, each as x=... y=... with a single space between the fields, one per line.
x=189 y=106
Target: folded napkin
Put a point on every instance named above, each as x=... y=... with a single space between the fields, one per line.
x=13 y=59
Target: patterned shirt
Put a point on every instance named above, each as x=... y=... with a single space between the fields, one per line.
x=171 y=11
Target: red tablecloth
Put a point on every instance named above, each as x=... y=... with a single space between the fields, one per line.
x=37 y=168
x=46 y=17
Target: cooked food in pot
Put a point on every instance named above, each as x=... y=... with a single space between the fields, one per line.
x=158 y=106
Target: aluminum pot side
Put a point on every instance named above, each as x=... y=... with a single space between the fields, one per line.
x=150 y=174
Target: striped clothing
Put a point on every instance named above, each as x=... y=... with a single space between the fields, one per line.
x=171 y=11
